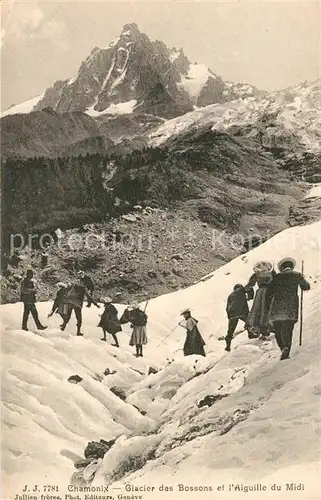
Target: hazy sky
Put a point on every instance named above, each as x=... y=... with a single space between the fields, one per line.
x=269 y=44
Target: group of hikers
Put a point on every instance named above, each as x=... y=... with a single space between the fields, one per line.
x=275 y=306
x=275 y=309
x=71 y=298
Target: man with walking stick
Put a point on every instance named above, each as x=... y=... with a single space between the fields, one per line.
x=284 y=310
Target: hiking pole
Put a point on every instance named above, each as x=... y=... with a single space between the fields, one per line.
x=170 y=333
x=301 y=308
x=146 y=305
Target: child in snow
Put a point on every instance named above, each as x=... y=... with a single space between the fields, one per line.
x=194 y=343
x=109 y=320
x=138 y=320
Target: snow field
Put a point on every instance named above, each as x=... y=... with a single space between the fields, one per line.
x=269 y=421
x=195 y=80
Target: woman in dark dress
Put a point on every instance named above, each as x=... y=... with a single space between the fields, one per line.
x=109 y=320
x=258 y=320
x=59 y=305
x=194 y=343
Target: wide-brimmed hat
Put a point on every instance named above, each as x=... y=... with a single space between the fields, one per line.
x=185 y=311
x=106 y=300
x=286 y=260
x=61 y=285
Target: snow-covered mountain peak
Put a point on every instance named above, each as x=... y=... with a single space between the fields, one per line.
x=161 y=80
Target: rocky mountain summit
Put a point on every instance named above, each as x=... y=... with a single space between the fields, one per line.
x=134 y=73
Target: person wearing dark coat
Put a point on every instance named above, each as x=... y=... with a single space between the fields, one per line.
x=284 y=310
x=59 y=306
x=194 y=343
x=258 y=319
x=28 y=291
x=138 y=320
x=109 y=320
x=75 y=296
x=89 y=284
x=237 y=309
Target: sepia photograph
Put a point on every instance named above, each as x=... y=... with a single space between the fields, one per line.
x=160 y=250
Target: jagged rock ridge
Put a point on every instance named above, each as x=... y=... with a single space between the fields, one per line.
x=136 y=73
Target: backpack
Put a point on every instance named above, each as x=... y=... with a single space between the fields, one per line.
x=140 y=318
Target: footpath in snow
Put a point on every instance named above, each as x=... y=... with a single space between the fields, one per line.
x=263 y=426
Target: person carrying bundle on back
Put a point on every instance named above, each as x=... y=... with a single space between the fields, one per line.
x=237 y=309
x=138 y=319
x=75 y=299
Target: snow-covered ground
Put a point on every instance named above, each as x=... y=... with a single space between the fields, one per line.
x=314 y=192
x=121 y=108
x=195 y=80
x=264 y=429
x=24 y=107
x=297 y=110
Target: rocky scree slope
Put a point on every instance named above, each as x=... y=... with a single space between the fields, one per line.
x=209 y=194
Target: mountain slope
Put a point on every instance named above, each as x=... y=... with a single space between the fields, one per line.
x=174 y=435
x=285 y=121
x=47 y=133
x=210 y=195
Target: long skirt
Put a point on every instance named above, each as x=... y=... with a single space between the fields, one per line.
x=258 y=319
x=194 y=343
x=138 y=336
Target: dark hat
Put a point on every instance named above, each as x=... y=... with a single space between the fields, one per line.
x=185 y=311
x=238 y=285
